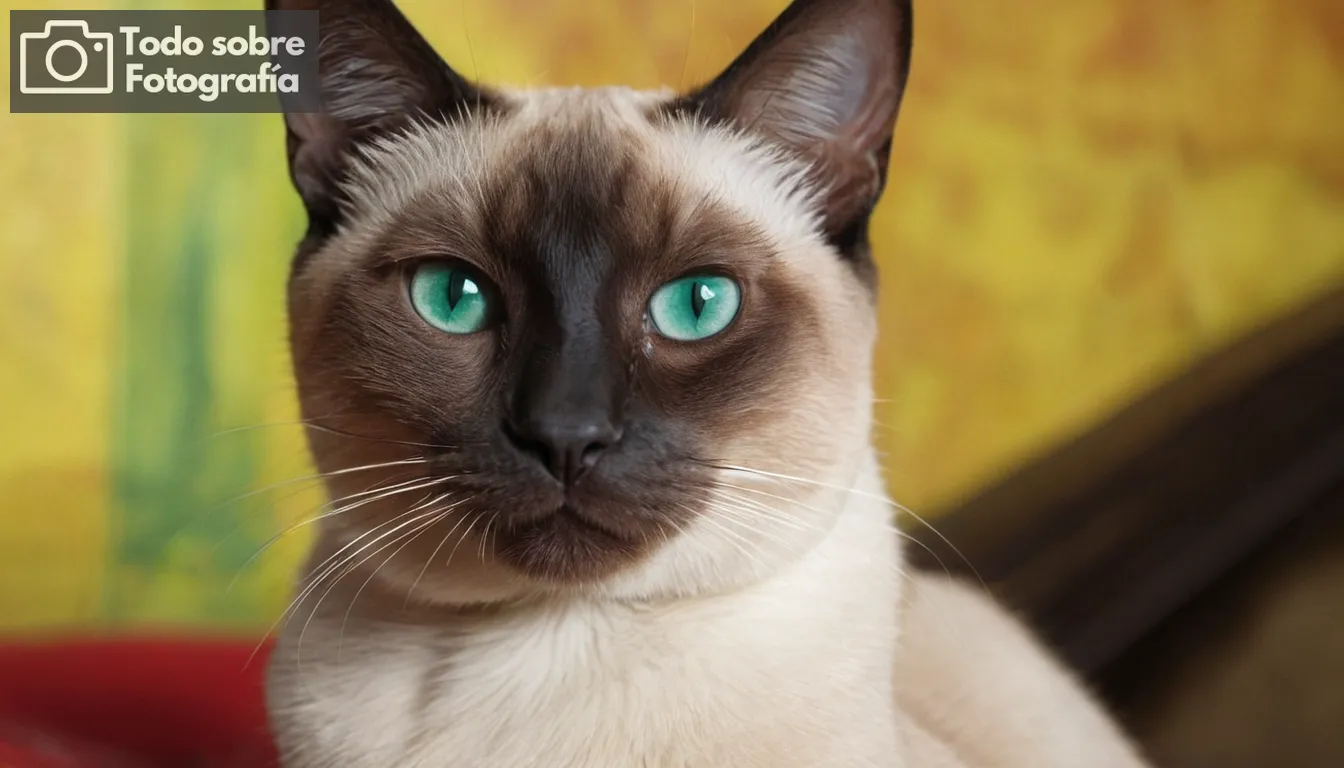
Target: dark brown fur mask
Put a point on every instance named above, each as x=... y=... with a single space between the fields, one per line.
x=504 y=397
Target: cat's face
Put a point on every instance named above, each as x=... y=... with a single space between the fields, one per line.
x=590 y=339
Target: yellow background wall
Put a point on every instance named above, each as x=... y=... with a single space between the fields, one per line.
x=1085 y=194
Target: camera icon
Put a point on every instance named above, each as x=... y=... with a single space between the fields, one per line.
x=65 y=57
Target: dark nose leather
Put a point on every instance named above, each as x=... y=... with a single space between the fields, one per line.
x=565 y=409
x=568 y=448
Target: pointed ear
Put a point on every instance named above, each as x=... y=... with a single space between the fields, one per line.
x=825 y=80
x=376 y=75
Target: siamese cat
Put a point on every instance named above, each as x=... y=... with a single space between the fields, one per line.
x=588 y=374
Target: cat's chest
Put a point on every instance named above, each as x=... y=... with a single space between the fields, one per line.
x=593 y=689
x=587 y=689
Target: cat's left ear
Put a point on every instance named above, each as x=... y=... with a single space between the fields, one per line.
x=377 y=74
x=826 y=80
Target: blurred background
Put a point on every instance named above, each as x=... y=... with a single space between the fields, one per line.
x=1089 y=199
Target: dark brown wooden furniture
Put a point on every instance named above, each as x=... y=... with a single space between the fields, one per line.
x=1111 y=543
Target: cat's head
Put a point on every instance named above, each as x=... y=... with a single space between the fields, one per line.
x=590 y=339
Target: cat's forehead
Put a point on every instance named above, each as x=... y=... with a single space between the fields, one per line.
x=585 y=106
x=614 y=156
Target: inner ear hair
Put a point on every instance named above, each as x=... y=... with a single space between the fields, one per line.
x=824 y=80
x=377 y=74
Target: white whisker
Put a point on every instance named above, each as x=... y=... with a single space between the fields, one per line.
x=351 y=564
x=380 y=494
x=855 y=491
x=434 y=554
x=415 y=533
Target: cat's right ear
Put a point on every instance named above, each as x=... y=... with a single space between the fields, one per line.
x=825 y=80
x=376 y=74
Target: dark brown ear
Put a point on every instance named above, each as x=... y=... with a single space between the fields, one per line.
x=376 y=74
x=825 y=79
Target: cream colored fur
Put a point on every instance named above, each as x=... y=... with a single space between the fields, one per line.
x=798 y=643
x=787 y=671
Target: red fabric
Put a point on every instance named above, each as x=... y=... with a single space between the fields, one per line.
x=133 y=703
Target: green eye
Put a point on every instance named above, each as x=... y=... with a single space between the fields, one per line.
x=450 y=297
x=694 y=308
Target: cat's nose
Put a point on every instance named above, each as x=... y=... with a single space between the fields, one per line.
x=568 y=448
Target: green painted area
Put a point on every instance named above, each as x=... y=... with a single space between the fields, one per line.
x=179 y=464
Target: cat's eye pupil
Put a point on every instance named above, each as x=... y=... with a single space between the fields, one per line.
x=700 y=293
x=458 y=285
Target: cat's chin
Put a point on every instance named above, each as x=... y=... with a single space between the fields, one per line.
x=568 y=546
